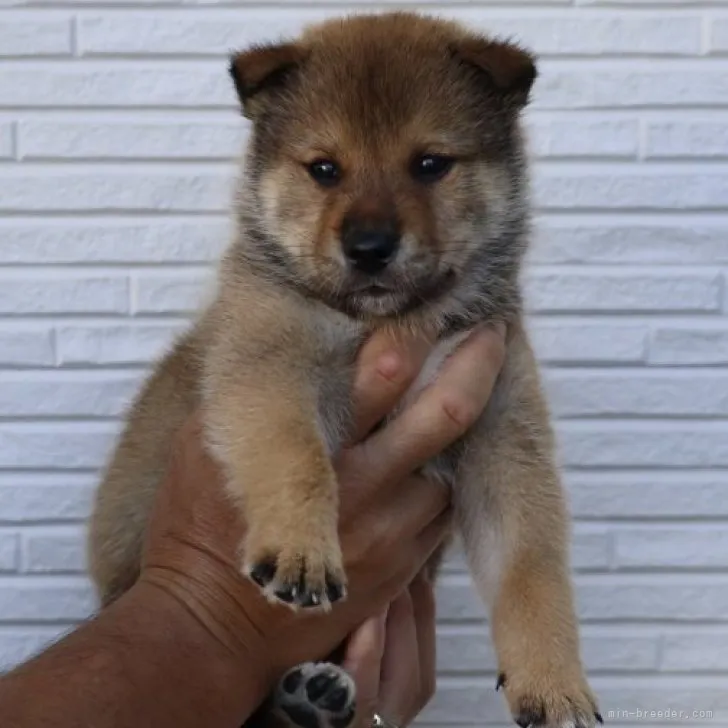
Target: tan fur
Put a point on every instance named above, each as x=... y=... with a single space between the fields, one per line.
x=270 y=360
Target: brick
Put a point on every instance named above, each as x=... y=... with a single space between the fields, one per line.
x=41 y=497
x=48 y=599
x=686 y=139
x=457 y=599
x=6 y=140
x=468 y=649
x=117 y=344
x=54 y=550
x=652 y=597
x=58 y=190
x=634 y=190
x=55 y=445
x=178 y=292
x=638 y=393
x=694 y=651
x=719 y=35
x=689 y=344
x=585 y=343
x=18 y=644
x=564 y=137
x=647 y=495
x=569 y=291
x=190 y=35
x=673 y=547
x=162 y=139
x=112 y=86
x=62 y=241
x=66 y=393
x=33 y=36
x=590 y=548
x=26 y=346
x=561 y=88
x=63 y=293
x=8 y=552
x=643 y=445
x=676 y=241
x=599 y=36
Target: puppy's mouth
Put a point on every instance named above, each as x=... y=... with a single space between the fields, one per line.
x=375 y=291
x=379 y=298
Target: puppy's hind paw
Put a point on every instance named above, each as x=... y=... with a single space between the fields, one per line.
x=316 y=695
x=549 y=704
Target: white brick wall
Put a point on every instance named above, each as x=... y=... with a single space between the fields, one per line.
x=118 y=130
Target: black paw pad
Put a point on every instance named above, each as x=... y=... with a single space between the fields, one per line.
x=334 y=591
x=501 y=681
x=292 y=681
x=335 y=700
x=262 y=574
x=599 y=718
x=531 y=718
x=287 y=593
x=318 y=685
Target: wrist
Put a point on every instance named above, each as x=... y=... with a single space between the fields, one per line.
x=213 y=593
x=203 y=656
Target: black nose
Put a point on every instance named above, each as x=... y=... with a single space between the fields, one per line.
x=369 y=247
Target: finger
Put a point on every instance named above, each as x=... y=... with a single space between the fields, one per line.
x=424 y=545
x=363 y=661
x=441 y=413
x=400 y=677
x=405 y=511
x=387 y=365
x=423 y=602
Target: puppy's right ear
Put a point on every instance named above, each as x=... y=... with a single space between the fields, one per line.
x=263 y=68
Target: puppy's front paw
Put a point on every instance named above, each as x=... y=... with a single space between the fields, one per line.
x=316 y=695
x=549 y=700
x=305 y=575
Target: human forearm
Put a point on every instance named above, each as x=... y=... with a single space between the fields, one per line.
x=145 y=661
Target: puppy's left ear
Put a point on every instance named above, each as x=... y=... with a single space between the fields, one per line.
x=262 y=69
x=507 y=69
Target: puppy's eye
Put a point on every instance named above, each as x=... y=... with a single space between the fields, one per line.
x=324 y=171
x=431 y=167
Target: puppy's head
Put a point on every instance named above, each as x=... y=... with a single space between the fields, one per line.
x=385 y=161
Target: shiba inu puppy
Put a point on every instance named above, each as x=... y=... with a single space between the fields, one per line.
x=385 y=184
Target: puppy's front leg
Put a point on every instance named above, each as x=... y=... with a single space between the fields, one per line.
x=261 y=423
x=515 y=526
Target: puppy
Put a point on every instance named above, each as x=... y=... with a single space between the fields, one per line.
x=385 y=184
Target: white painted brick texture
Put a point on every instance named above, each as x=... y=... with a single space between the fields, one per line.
x=118 y=139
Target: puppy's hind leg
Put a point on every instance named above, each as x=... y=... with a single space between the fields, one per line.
x=514 y=521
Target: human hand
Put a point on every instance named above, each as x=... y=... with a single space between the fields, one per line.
x=391 y=658
x=387 y=533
